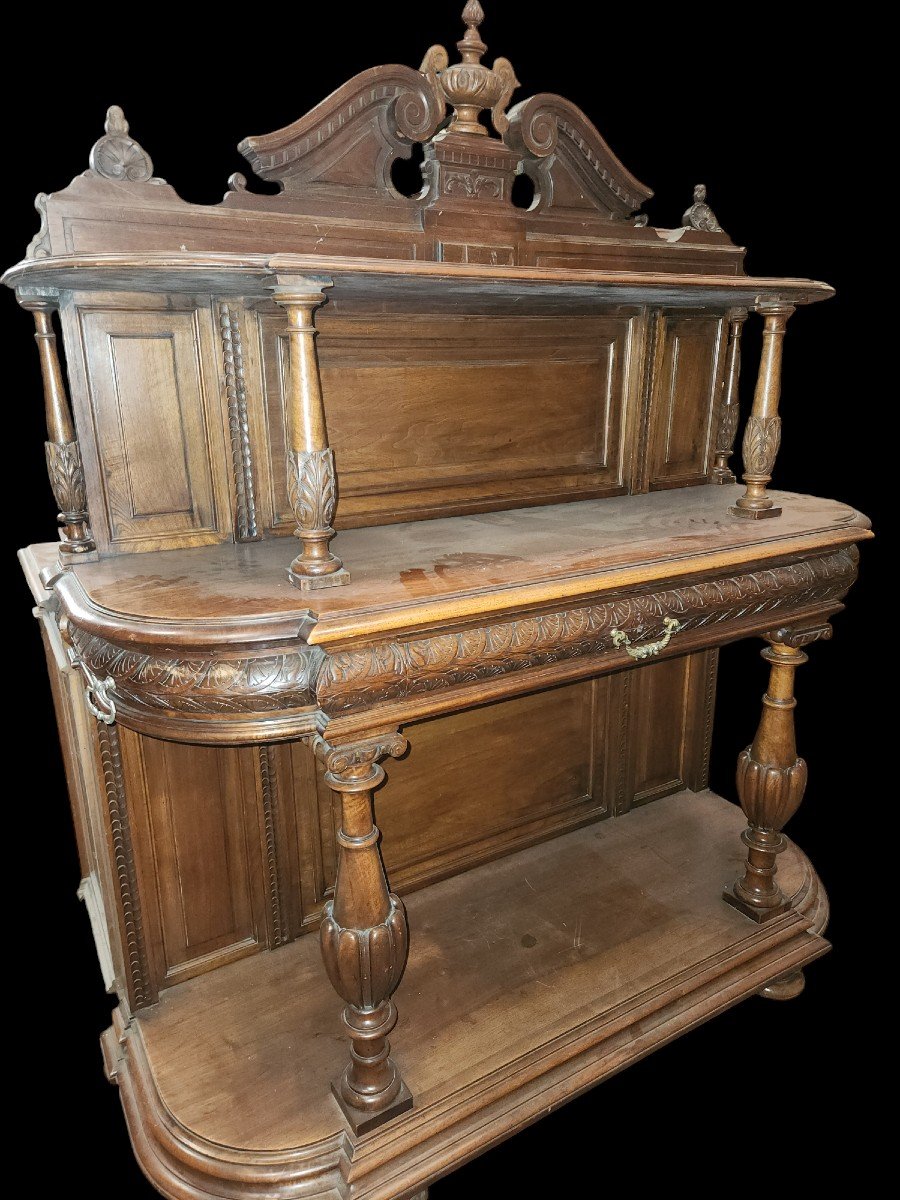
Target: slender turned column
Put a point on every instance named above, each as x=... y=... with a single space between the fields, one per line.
x=312 y=487
x=64 y=464
x=771 y=779
x=364 y=937
x=762 y=435
x=729 y=410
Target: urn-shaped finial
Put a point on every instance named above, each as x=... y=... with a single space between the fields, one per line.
x=469 y=86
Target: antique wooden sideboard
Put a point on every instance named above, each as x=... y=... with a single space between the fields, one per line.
x=498 y=416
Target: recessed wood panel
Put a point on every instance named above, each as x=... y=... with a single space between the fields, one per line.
x=682 y=405
x=459 y=413
x=158 y=446
x=199 y=854
x=482 y=783
x=656 y=704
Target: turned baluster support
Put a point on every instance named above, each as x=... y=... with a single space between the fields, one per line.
x=64 y=465
x=364 y=937
x=312 y=483
x=762 y=435
x=729 y=409
x=771 y=778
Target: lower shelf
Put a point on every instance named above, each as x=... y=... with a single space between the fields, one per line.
x=529 y=980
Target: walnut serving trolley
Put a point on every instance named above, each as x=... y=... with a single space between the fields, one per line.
x=501 y=436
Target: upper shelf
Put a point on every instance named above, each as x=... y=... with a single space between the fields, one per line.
x=395 y=283
x=430 y=573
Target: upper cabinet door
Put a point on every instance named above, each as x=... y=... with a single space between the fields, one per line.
x=146 y=397
x=686 y=382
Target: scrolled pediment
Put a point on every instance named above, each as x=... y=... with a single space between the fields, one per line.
x=349 y=141
x=572 y=167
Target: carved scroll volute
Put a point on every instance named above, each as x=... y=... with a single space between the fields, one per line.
x=762 y=435
x=312 y=484
x=729 y=407
x=64 y=464
x=347 y=144
x=364 y=936
x=560 y=145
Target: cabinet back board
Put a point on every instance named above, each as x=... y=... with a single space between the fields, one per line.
x=181 y=412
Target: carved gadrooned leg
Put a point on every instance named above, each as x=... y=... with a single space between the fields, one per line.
x=771 y=780
x=364 y=938
x=786 y=987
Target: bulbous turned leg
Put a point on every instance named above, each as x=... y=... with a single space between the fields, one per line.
x=786 y=987
x=364 y=939
x=771 y=780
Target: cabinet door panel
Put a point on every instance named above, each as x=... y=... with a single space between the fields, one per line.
x=682 y=405
x=157 y=449
x=199 y=853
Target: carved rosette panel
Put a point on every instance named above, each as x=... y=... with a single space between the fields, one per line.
x=769 y=795
x=762 y=437
x=365 y=966
x=269 y=683
x=238 y=423
x=354 y=679
x=66 y=473
x=472 y=186
x=312 y=488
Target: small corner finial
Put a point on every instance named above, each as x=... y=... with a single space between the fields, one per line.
x=700 y=216
x=115 y=120
x=118 y=156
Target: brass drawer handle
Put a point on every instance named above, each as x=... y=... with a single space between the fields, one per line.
x=671 y=626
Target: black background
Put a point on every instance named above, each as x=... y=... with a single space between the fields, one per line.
x=752 y=110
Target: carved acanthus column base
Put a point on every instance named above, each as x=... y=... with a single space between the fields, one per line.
x=364 y=937
x=762 y=435
x=312 y=490
x=66 y=473
x=771 y=779
x=762 y=438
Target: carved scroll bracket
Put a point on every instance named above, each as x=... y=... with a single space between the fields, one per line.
x=312 y=482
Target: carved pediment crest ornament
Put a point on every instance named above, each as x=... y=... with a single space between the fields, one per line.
x=118 y=156
x=469 y=86
x=700 y=215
